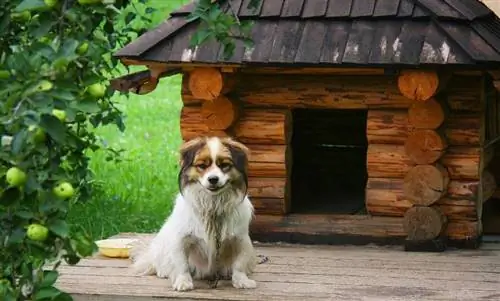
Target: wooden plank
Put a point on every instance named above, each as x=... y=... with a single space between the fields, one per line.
x=359 y=43
x=339 y=8
x=315 y=8
x=386 y=8
x=384 y=37
x=440 y=8
x=311 y=43
x=287 y=38
x=335 y=42
x=265 y=31
x=475 y=46
x=271 y=8
x=362 y=8
x=180 y=50
x=411 y=40
x=245 y=11
x=292 y=8
x=434 y=49
x=405 y=8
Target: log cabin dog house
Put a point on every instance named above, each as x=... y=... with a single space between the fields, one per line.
x=368 y=121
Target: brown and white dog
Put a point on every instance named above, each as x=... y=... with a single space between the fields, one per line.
x=210 y=220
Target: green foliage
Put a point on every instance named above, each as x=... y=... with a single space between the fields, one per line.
x=220 y=24
x=55 y=64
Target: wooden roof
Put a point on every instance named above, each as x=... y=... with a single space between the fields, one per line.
x=334 y=32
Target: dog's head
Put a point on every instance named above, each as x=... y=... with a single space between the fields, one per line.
x=216 y=164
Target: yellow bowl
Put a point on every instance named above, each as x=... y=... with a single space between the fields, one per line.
x=115 y=247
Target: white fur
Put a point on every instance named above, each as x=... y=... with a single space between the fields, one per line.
x=184 y=248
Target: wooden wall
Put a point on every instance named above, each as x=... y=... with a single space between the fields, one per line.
x=265 y=126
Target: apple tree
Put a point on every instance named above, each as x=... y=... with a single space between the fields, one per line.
x=55 y=63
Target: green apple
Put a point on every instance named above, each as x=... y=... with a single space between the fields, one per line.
x=83 y=48
x=15 y=177
x=60 y=114
x=50 y=3
x=37 y=232
x=64 y=190
x=38 y=133
x=4 y=74
x=97 y=90
x=22 y=16
x=45 y=85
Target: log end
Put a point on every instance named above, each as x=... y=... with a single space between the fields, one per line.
x=423 y=223
x=206 y=83
x=425 y=146
x=425 y=184
x=220 y=113
x=418 y=85
x=426 y=115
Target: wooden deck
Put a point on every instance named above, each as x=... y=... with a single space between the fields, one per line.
x=296 y=273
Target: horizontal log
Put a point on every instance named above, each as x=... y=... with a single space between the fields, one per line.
x=463 y=163
x=339 y=228
x=391 y=161
x=392 y=127
x=272 y=206
x=384 y=197
x=266 y=187
x=253 y=126
x=354 y=92
x=267 y=169
x=267 y=160
x=464 y=230
x=464 y=93
x=264 y=127
x=192 y=125
x=387 y=161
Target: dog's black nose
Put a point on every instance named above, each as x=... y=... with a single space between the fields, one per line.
x=213 y=180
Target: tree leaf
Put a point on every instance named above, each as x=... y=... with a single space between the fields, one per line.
x=30 y=5
x=49 y=278
x=10 y=196
x=59 y=227
x=18 y=142
x=87 y=106
x=47 y=293
x=53 y=127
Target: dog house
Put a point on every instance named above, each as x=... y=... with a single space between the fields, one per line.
x=368 y=121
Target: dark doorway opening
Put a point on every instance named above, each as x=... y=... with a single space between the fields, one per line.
x=329 y=161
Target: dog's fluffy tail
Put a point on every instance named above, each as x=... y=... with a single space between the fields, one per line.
x=142 y=259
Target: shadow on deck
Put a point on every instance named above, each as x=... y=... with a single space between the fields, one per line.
x=302 y=272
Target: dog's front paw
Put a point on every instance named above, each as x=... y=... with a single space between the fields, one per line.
x=183 y=283
x=241 y=280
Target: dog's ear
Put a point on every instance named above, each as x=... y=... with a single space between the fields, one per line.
x=239 y=153
x=188 y=151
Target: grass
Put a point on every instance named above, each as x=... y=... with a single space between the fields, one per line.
x=137 y=193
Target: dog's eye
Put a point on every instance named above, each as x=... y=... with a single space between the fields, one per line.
x=225 y=166
x=201 y=166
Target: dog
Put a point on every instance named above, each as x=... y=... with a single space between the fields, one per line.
x=207 y=233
